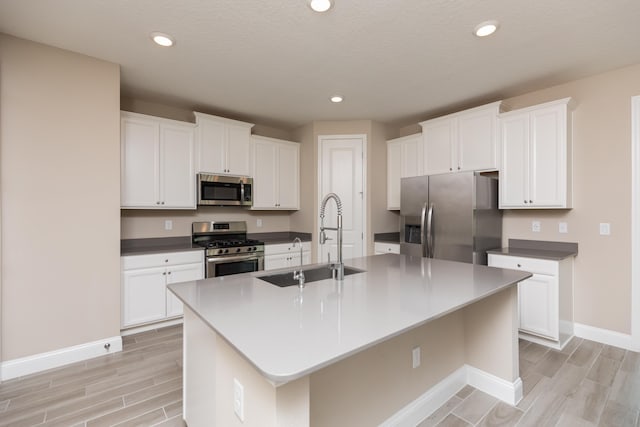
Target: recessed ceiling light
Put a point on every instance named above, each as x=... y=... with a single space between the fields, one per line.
x=486 y=28
x=162 y=39
x=336 y=99
x=320 y=5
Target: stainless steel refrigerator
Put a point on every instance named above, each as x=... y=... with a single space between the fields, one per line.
x=452 y=216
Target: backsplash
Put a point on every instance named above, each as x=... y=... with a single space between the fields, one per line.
x=139 y=224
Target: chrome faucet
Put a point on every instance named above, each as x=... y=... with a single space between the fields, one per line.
x=338 y=267
x=299 y=275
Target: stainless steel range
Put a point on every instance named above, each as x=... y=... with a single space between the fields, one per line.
x=227 y=249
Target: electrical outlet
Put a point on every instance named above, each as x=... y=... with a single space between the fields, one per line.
x=238 y=399
x=259 y=222
x=535 y=226
x=605 y=228
x=415 y=356
x=168 y=225
x=563 y=227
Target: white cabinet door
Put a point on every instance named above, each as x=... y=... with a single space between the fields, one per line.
x=514 y=171
x=177 y=175
x=144 y=296
x=276 y=174
x=394 y=165
x=139 y=168
x=404 y=159
x=548 y=162
x=179 y=274
x=439 y=138
x=265 y=174
x=538 y=301
x=289 y=176
x=272 y=262
x=238 y=149
x=211 y=136
x=477 y=140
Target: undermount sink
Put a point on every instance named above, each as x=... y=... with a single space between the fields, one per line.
x=311 y=275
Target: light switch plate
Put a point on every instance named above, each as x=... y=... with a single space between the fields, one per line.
x=238 y=399
x=168 y=225
x=605 y=229
x=535 y=226
x=415 y=356
x=563 y=227
x=258 y=222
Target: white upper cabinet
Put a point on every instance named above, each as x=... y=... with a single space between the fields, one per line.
x=404 y=159
x=223 y=146
x=536 y=157
x=463 y=141
x=157 y=163
x=276 y=174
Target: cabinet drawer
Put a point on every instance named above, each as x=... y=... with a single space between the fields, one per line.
x=284 y=248
x=532 y=265
x=387 y=248
x=161 y=259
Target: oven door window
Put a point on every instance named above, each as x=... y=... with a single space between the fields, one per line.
x=221 y=191
x=224 y=268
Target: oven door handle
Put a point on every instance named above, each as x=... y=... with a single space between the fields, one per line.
x=233 y=258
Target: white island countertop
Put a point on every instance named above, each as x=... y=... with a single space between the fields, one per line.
x=287 y=333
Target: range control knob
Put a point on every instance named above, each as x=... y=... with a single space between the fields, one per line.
x=238 y=250
x=226 y=251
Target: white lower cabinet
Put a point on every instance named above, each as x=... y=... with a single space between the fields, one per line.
x=285 y=255
x=386 y=248
x=145 y=297
x=545 y=300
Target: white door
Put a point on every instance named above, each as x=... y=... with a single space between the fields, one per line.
x=289 y=176
x=139 y=163
x=439 y=136
x=341 y=171
x=177 y=182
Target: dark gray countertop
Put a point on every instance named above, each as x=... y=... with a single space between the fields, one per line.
x=555 y=251
x=183 y=243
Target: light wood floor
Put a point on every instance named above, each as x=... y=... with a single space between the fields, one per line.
x=140 y=386
x=587 y=384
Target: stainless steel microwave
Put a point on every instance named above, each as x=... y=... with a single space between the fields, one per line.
x=224 y=190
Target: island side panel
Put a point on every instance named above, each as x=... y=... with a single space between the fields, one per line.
x=491 y=339
x=210 y=367
x=369 y=387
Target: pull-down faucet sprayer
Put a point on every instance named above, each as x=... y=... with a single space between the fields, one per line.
x=338 y=266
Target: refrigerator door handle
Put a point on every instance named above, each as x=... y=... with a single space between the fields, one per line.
x=430 y=248
x=423 y=240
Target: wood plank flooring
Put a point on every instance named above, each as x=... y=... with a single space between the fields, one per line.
x=140 y=386
x=586 y=384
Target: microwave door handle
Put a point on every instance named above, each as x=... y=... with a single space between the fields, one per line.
x=423 y=242
x=241 y=193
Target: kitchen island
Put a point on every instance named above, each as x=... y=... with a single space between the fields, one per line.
x=385 y=346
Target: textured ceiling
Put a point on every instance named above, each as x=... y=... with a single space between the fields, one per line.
x=277 y=62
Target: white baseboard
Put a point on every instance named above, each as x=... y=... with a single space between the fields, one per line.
x=438 y=395
x=429 y=402
x=52 y=359
x=606 y=336
x=508 y=392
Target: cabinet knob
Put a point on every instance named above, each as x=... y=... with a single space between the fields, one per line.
x=163 y=203
x=450 y=169
x=530 y=201
x=169 y=273
x=519 y=265
x=166 y=260
x=164 y=273
x=157 y=203
x=525 y=201
x=458 y=167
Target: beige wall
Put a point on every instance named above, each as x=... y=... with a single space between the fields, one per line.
x=60 y=198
